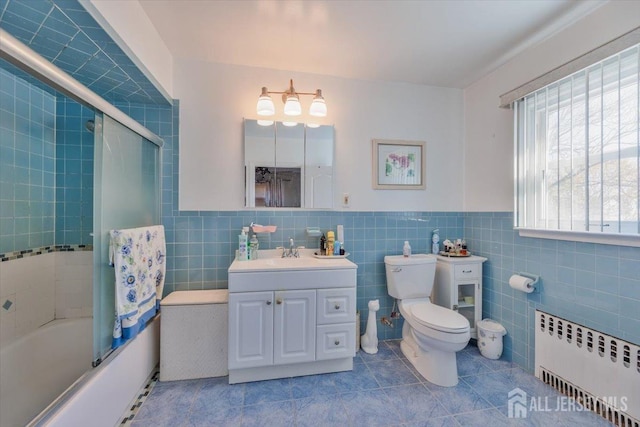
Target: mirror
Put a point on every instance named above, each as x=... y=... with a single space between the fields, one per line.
x=288 y=166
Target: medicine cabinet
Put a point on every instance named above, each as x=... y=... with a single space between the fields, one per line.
x=288 y=166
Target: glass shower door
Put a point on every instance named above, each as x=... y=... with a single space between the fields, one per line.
x=127 y=195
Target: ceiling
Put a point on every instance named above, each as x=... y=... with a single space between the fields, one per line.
x=65 y=34
x=442 y=43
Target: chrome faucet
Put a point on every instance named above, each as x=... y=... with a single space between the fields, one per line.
x=292 y=251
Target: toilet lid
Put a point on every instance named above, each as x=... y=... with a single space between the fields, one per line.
x=439 y=318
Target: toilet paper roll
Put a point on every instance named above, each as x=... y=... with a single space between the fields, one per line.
x=521 y=283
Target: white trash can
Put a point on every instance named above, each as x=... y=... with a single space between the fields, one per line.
x=490 y=335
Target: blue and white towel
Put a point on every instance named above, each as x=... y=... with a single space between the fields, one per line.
x=138 y=256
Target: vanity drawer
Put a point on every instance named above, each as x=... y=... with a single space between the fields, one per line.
x=336 y=305
x=335 y=341
x=468 y=271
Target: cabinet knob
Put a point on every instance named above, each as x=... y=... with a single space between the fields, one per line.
x=279 y=301
x=337 y=342
x=466 y=271
x=268 y=302
x=337 y=306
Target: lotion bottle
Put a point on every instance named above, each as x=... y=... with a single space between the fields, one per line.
x=406 y=249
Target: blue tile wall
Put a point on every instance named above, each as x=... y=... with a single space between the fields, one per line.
x=74 y=174
x=595 y=285
x=27 y=165
x=204 y=244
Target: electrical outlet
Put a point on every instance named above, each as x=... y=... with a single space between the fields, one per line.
x=346 y=200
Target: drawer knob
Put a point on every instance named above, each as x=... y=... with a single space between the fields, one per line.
x=337 y=306
x=337 y=342
x=279 y=301
x=268 y=302
x=466 y=271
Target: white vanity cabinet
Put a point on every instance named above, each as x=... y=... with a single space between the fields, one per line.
x=272 y=327
x=458 y=286
x=290 y=317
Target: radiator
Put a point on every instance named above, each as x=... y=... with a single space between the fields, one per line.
x=600 y=371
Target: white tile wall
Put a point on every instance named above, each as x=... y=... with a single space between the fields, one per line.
x=29 y=283
x=74 y=284
x=42 y=288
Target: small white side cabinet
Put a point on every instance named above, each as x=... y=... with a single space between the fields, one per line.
x=289 y=321
x=458 y=286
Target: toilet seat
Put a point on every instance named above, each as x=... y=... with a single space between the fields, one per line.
x=439 y=318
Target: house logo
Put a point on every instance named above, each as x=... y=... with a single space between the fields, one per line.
x=517 y=403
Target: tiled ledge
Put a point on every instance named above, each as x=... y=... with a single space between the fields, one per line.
x=10 y=256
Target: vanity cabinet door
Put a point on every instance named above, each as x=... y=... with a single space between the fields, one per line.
x=295 y=327
x=250 y=329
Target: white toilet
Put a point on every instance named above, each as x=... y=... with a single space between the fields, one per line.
x=431 y=334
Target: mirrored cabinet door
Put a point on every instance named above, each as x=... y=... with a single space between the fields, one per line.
x=288 y=166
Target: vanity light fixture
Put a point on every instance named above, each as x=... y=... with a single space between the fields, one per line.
x=291 y=99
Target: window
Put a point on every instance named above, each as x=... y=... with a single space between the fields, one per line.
x=577 y=151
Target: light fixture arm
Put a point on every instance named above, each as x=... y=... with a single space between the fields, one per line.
x=290 y=90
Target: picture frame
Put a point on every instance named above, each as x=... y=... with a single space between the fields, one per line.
x=398 y=165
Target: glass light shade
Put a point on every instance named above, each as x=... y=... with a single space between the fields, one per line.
x=265 y=105
x=290 y=124
x=313 y=125
x=292 y=106
x=318 y=106
x=265 y=122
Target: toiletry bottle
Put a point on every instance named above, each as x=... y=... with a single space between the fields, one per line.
x=242 y=246
x=323 y=245
x=435 y=238
x=330 y=241
x=406 y=249
x=253 y=247
x=336 y=247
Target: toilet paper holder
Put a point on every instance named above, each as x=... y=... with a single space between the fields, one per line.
x=534 y=277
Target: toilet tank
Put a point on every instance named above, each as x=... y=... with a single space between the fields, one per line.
x=410 y=277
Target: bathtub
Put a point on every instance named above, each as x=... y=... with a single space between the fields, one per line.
x=38 y=367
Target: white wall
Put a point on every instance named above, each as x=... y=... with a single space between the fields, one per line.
x=488 y=131
x=214 y=98
x=130 y=27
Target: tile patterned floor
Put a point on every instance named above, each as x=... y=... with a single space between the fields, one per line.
x=382 y=390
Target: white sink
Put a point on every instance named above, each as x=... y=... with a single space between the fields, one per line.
x=271 y=260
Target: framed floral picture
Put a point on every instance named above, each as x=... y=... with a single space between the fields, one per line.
x=398 y=165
